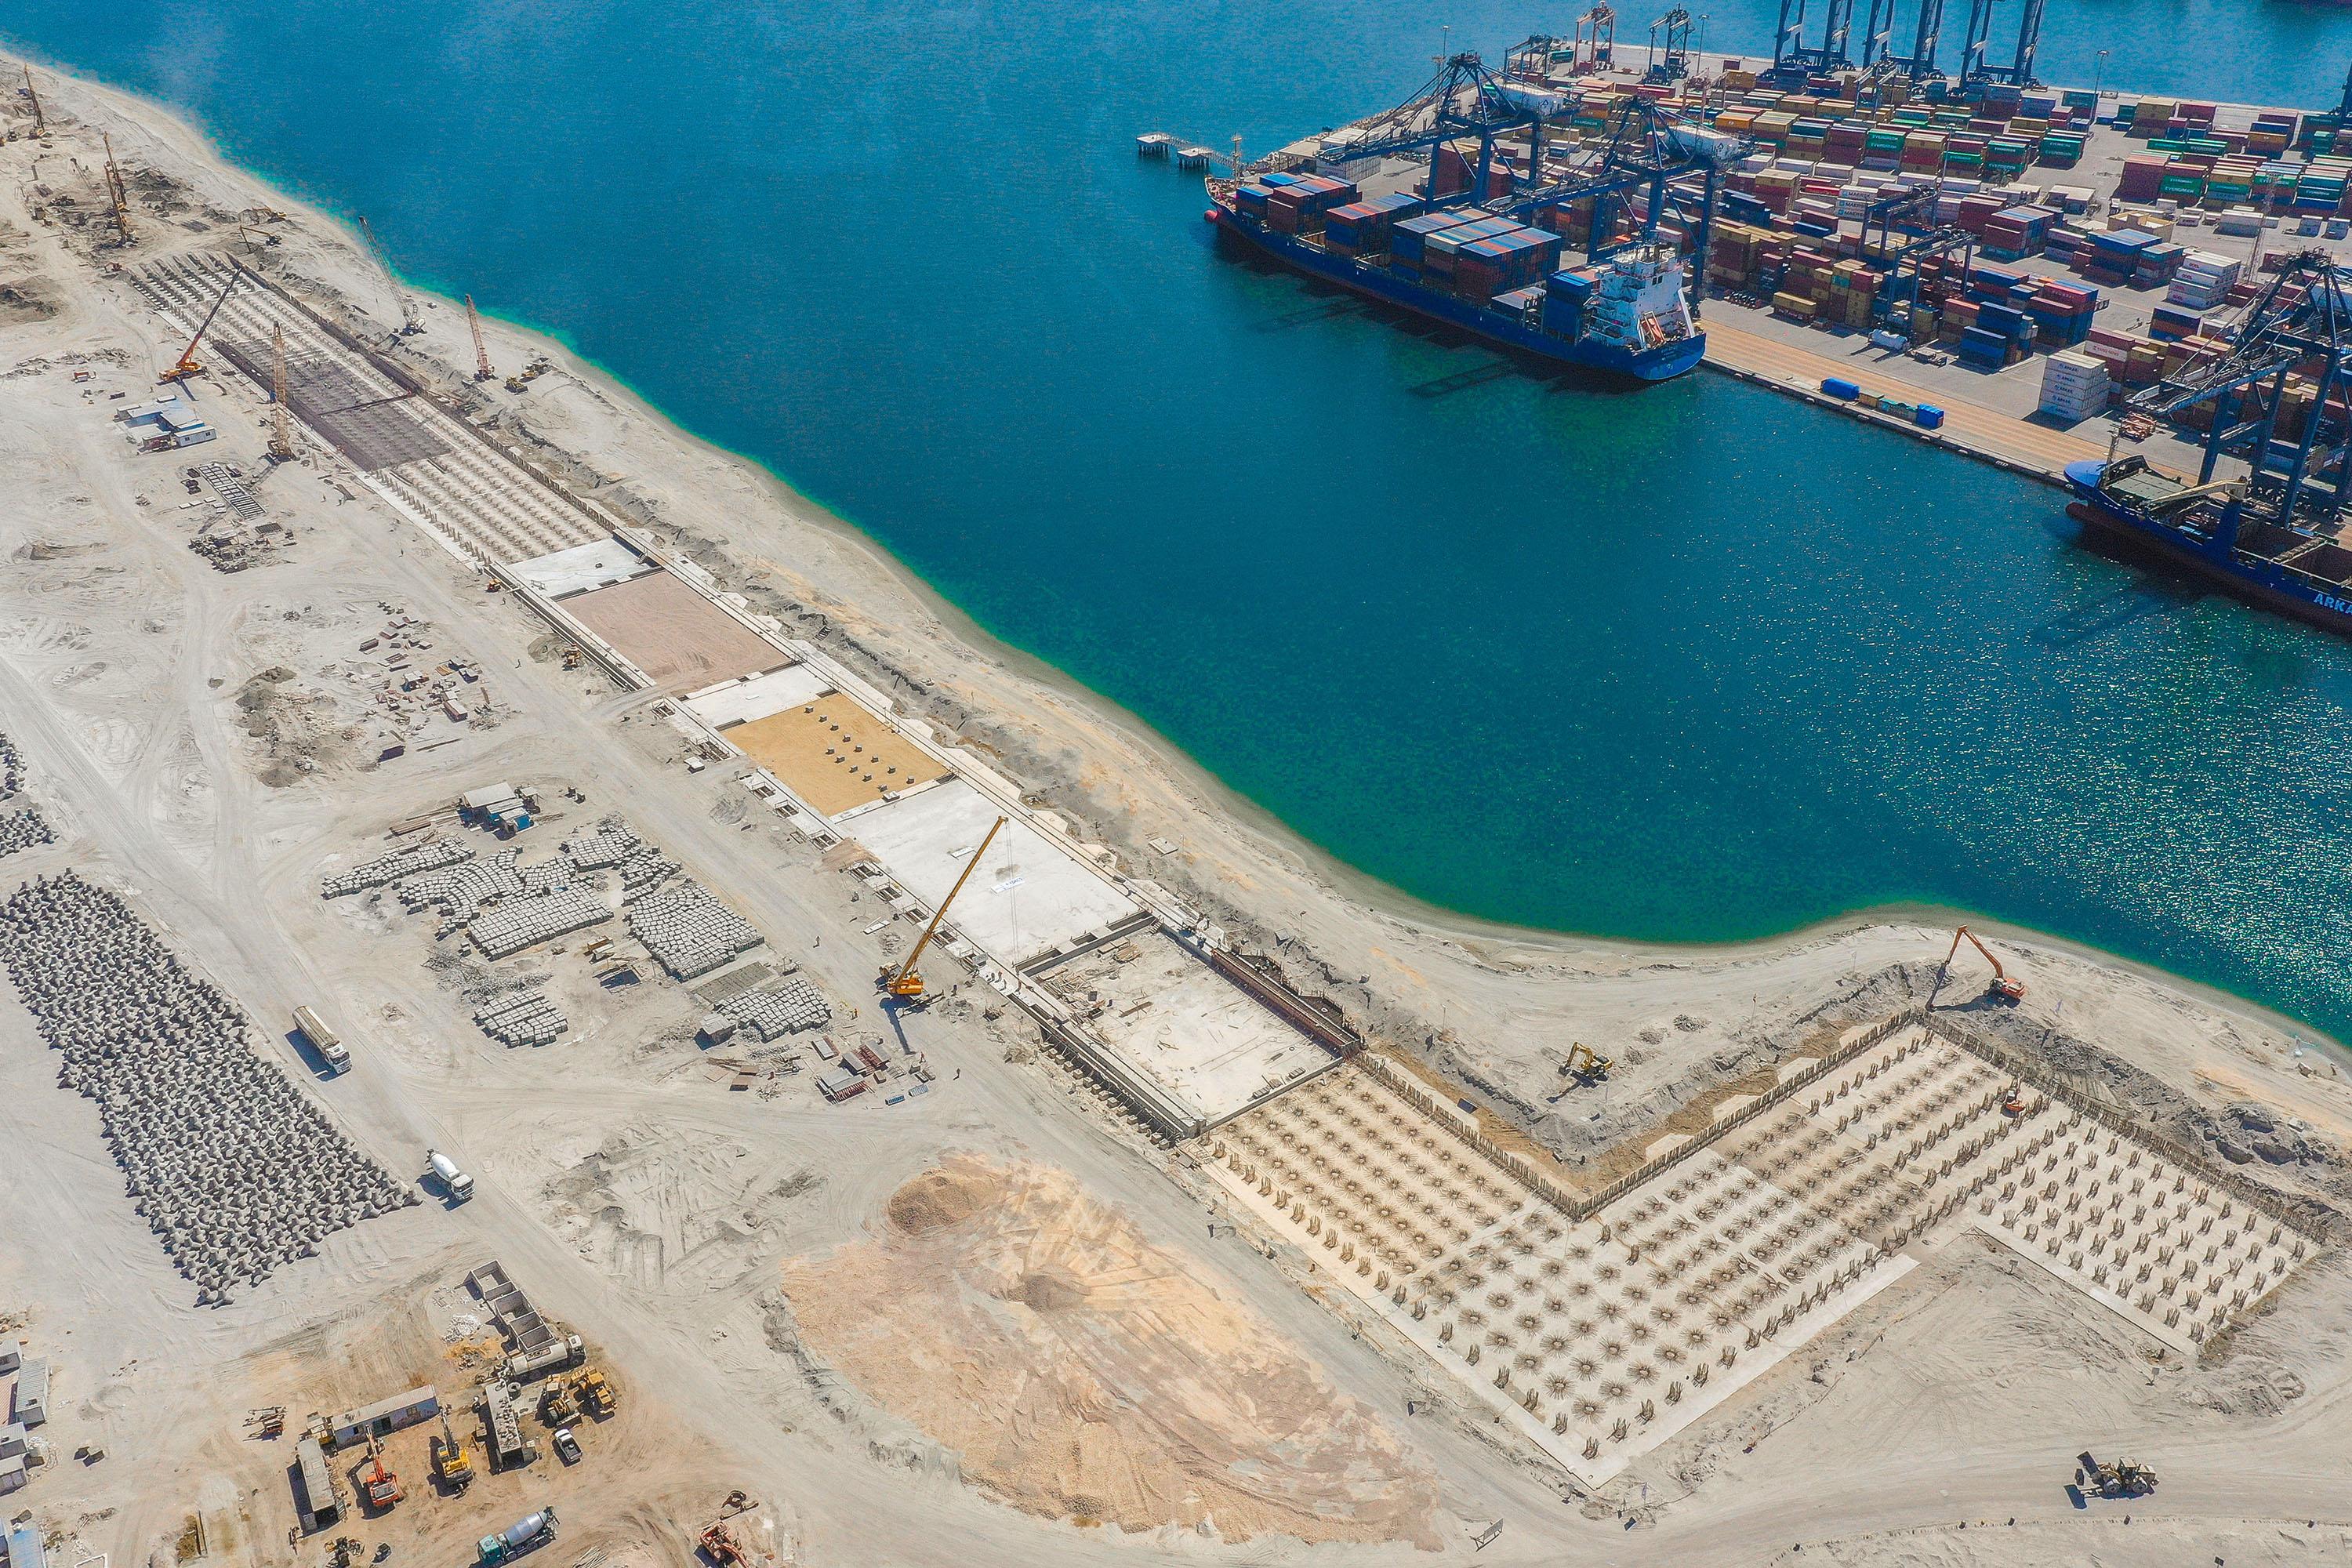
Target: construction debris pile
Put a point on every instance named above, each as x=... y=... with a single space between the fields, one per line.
x=791 y=1007
x=688 y=931
x=529 y=1019
x=234 y=1169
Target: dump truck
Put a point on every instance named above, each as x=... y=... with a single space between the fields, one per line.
x=528 y=1533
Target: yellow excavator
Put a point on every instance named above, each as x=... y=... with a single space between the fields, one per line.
x=905 y=984
x=451 y=1463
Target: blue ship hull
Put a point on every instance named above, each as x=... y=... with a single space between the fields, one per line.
x=2266 y=582
x=1648 y=364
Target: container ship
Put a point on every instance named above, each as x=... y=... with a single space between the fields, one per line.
x=2210 y=528
x=1625 y=315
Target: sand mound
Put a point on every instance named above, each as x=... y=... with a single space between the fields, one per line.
x=1082 y=1373
x=944 y=1197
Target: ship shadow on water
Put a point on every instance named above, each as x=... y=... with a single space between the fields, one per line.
x=1330 y=302
x=2157 y=588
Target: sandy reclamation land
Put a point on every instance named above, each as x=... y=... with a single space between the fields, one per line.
x=987 y=1322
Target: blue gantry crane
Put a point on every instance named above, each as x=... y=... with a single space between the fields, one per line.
x=1461 y=100
x=2302 y=322
x=1645 y=150
x=1676 y=167
x=1793 y=58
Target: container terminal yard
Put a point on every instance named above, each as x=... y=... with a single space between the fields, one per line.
x=2055 y=281
x=755 y=1102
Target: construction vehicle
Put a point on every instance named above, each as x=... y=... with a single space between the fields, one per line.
x=717 y=1543
x=532 y=1530
x=281 y=430
x=482 y=370
x=1586 y=1063
x=2002 y=988
x=906 y=985
x=2013 y=1102
x=40 y=121
x=382 y=1485
x=596 y=1395
x=556 y=1406
x=118 y=195
x=451 y=1464
x=2124 y=1479
x=553 y=1356
x=187 y=365
x=409 y=325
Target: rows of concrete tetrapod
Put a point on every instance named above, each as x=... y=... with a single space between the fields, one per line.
x=236 y=1171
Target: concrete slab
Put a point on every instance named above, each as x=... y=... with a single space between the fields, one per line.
x=582 y=568
x=740 y=701
x=835 y=754
x=1182 y=1025
x=680 y=639
x=1027 y=901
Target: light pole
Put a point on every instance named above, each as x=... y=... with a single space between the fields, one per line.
x=2098 y=80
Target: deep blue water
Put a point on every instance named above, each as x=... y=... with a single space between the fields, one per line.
x=1691 y=664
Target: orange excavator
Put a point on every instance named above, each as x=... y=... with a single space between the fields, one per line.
x=905 y=984
x=2002 y=988
x=383 y=1488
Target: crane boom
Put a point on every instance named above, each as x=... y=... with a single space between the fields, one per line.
x=118 y=195
x=281 y=431
x=40 y=124
x=482 y=370
x=906 y=982
x=2002 y=987
x=375 y=248
x=188 y=365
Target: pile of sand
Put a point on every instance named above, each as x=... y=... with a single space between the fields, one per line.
x=1083 y=1374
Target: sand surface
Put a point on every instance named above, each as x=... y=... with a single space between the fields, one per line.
x=209 y=743
x=1083 y=1374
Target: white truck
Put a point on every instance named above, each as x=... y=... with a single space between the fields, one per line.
x=322 y=1040
x=453 y=1180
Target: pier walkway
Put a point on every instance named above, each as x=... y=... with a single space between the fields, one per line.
x=2003 y=438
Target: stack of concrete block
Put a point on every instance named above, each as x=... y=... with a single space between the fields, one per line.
x=688 y=931
x=602 y=847
x=461 y=891
x=526 y=1020
x=429 y=855
x=521 y=922
x=793 y=1007
x=236 y=1170
x=24 y=829
x=644 y=870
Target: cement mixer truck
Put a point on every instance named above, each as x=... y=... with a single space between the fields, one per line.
x=528 y=1533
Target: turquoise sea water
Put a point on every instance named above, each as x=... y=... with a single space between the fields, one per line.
x=1689 y=664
